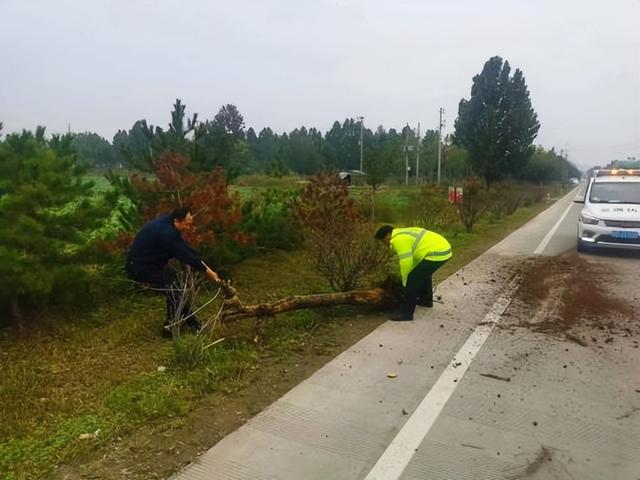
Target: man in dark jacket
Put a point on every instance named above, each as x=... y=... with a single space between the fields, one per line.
x=155 y=244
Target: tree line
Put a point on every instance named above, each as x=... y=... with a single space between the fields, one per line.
x=493 y=140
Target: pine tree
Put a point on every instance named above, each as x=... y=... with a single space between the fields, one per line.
x=45 y=208
x=497 y=125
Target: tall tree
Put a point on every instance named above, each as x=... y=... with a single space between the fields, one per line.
x=381 y=163
x=429 y=155
x=177 y=126
x=143 y=144
x=231 y=120
x=300 y=151
x=93 y=151
x=341 y=148
x=497 y=125
x=265 y=149
x=139 y=146
x=547 y=166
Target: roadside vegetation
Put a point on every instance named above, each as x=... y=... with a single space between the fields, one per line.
x=80 y=350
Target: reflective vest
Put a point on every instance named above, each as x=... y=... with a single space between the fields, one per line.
x=414 y=244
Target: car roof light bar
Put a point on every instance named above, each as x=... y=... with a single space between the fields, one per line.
x=618 y=172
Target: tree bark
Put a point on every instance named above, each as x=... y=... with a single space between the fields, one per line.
x=234 y=309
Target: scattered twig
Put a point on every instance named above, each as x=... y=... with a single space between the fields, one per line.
x=629 y=413
x=213 y=343
x=496 y=377
x=576 y=339
x=471 y=446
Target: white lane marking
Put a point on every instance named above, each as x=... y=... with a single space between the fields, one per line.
x=545 y=241
x=402 y=448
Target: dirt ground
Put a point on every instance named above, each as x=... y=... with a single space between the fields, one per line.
x=159 y=450
x=585 y=299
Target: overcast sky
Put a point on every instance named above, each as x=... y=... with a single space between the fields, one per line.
x=100 y=65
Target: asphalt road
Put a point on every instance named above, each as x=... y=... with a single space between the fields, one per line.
x=529 y=369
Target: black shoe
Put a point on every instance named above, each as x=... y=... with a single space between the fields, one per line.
x=193 y=324
x=425 y=303
x=166 y=332
x=400 y=317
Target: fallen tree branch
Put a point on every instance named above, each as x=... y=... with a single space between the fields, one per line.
x=234 y=309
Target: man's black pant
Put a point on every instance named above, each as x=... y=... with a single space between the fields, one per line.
x=162 y=280
x=420 y=286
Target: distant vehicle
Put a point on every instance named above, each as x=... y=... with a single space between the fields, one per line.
x=574 y=181
x=611 y=214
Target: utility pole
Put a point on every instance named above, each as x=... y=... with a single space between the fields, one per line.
x=406 y=155
x=418 y=155
x=441 y=124
x=361 y=118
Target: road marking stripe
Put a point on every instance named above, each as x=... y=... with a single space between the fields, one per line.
x=545 y=241
x=400 y=451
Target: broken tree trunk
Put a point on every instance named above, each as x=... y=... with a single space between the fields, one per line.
x=234 y=309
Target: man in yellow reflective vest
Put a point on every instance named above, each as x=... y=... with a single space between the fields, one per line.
x=420 y=252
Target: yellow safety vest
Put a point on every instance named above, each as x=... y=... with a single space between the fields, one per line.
x=414 y=244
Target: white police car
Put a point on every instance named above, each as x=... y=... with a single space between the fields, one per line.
x=611 y=214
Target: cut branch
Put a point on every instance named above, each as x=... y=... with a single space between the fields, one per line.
x=234 y=309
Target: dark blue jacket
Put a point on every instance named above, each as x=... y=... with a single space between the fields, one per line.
x=157 y=242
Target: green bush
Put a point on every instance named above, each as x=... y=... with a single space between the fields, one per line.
x=505 y=200
x=225 y=253
x=71 y=287
x=476 y=201
x=268 y=216
x=340 y=243
x=432 y=209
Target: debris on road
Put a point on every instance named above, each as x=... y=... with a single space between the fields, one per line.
x=567 y=297
x=392 y=375
x=471 y=446
x=576 y=339
x=629 y=413
x=496 y=377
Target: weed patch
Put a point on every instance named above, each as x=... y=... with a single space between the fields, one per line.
x=33 y=455
x=147 y=397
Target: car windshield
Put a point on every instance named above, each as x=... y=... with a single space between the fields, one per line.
x=615 y=192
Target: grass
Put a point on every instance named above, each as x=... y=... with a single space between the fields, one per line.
x=31 y=456
x=100 y=182
x=100 y=370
